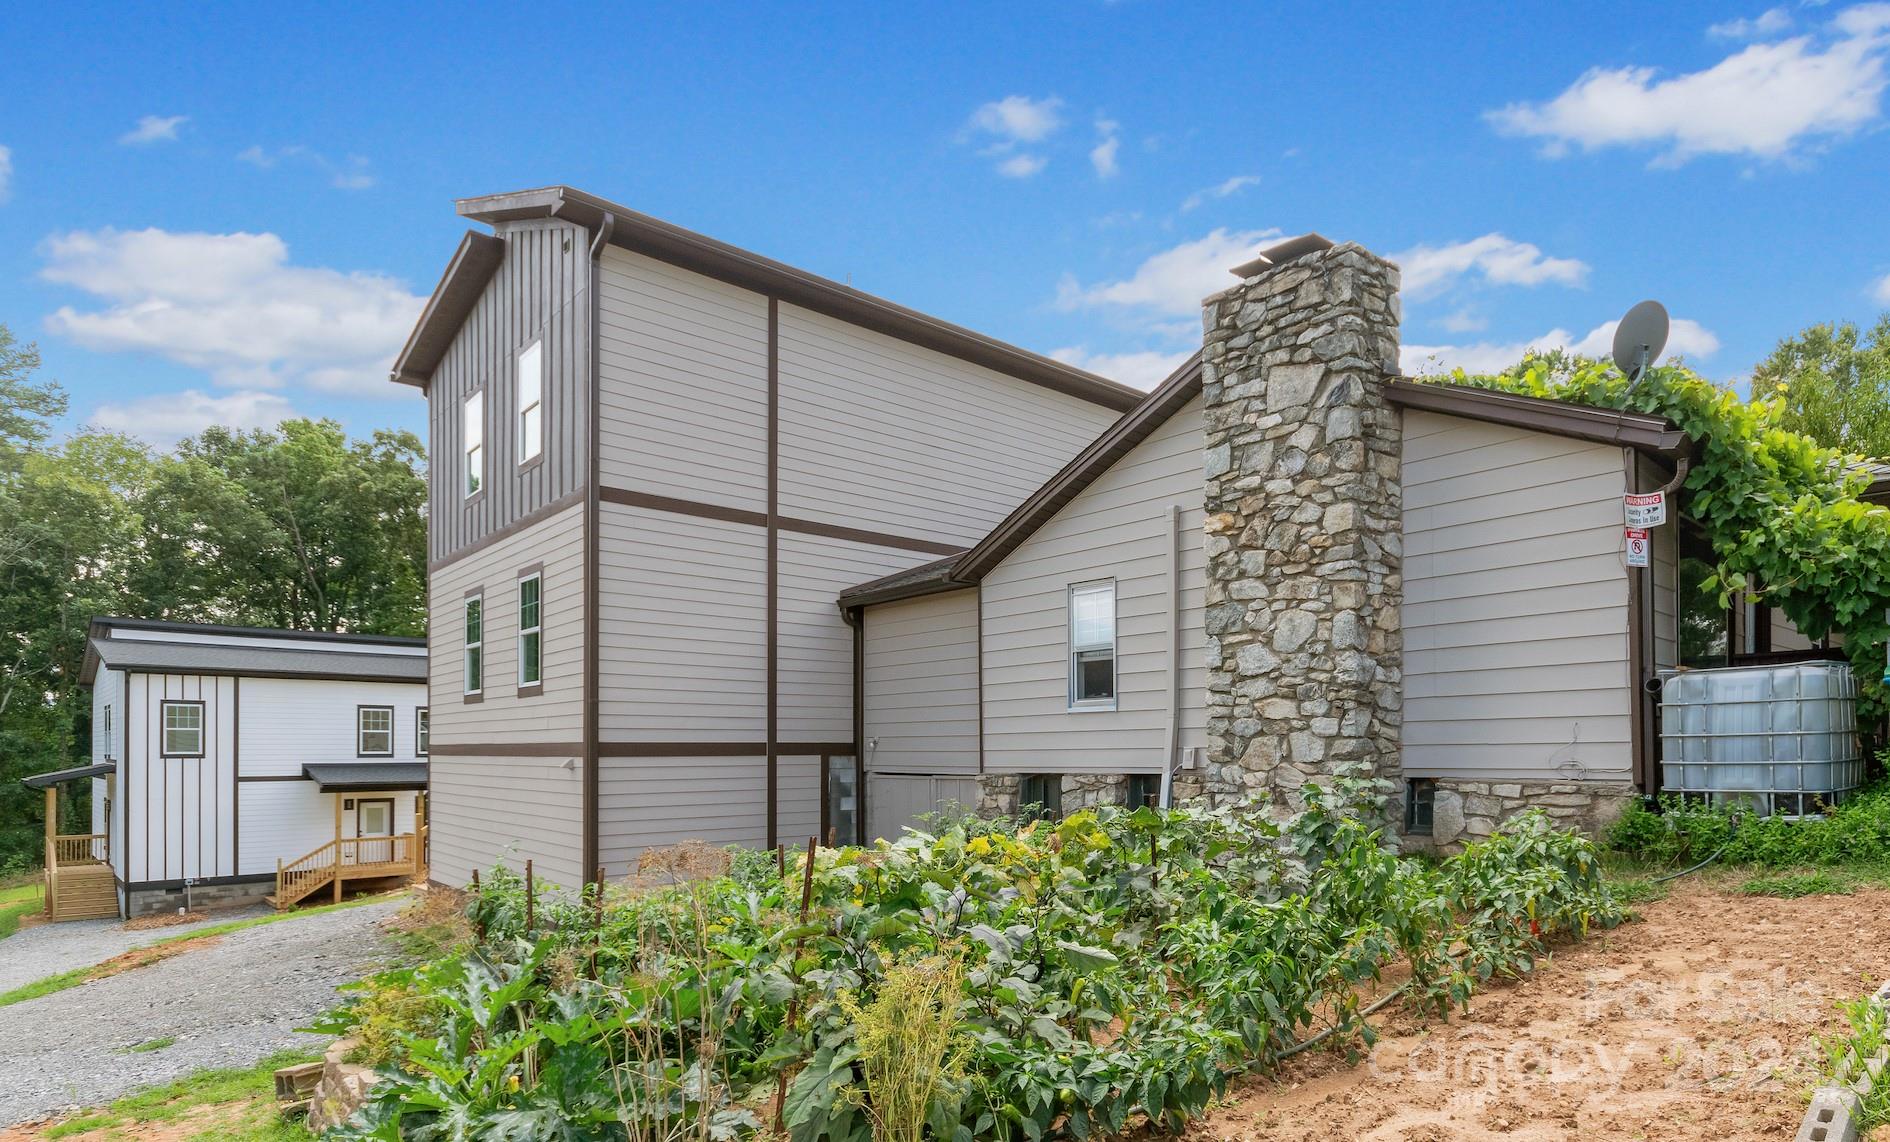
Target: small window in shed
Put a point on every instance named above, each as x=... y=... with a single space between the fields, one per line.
x=1040 y=796
x=1418 y=792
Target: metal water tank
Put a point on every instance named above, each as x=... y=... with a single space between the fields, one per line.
x=1775 y=739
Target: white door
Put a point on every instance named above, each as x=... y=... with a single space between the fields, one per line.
x=374 y=819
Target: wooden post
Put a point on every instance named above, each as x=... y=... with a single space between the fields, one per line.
x=479 y=928
x=52 y=846
x=530 y=898
x=337 y=848
x=597 y=920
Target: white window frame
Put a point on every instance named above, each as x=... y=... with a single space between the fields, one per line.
x=473 y=678
x=361 y=731
x=536 y=629
x=1077 y=650
x=165 y=729
x=473 y=434
x=422 y=732
x=530 y=420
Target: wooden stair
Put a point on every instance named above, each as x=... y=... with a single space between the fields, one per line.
x=349 y=859
x=82 y=892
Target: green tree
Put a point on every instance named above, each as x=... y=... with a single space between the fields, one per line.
x=1835 y=384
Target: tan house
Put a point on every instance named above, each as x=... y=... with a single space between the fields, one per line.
x=660 y=461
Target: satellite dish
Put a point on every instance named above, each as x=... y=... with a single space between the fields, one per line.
x=1639 y=338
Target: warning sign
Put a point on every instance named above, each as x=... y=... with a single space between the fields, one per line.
x=1637 y=547
x=1645 y=509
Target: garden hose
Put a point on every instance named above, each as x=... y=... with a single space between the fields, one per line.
x=1733 y=832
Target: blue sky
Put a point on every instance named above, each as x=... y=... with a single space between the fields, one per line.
x=225 y=214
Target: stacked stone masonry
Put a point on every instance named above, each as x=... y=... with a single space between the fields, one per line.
x=1304 y=526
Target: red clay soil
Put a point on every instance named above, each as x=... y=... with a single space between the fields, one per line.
x=1700 y=1021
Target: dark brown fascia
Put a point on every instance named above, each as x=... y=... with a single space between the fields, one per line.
x=472 y=266
x=719 y=260
x=1651 y=434
x=952 y=574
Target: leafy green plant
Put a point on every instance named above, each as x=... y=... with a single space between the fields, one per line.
x=1682 y=833
x=1866 y=1032
x=1792 y=885
x=910 y=1051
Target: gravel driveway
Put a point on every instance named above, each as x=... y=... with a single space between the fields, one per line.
x=226 y=1006
x=48 y=949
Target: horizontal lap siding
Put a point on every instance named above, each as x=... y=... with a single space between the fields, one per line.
x=1116 y=528
x=286 y=820
x=683 y=406
x=682 y=628
x=886 y=436
x=814 y=691
x=289 y=722
x=798 y=783
x=1515 y=604
x=922 y=687
x=540 y=292
x=500 y=715
x=649 y=802
x=486 y=810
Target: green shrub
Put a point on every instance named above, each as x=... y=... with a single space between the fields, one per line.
x=1792 y=885
x=1682 y=833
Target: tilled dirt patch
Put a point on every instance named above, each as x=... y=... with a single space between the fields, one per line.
x=1700 y=1021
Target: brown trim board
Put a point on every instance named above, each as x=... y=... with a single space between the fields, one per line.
x=1638 y=629
x=774 y=566
x=570 y=499
x=1634 y=430
x=472 y=265
x=728 y=513
x=590 y=811
x=629 y=749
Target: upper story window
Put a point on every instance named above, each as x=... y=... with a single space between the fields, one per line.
x=530 y=629
x=374 y=731
x=105 y=728
x=531 y=390
x=475 y=437
x=1093 y=646
x=420 y=732
x=475 y=644
x=182 y=729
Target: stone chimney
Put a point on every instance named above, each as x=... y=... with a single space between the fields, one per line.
x=1304 y=528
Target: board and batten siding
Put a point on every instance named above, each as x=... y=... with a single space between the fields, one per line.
x=182 y=809
x=496 y=806
x=1117 y=528
x=921 y=704
x=886 y=436
x=683 y=393
x=541 y=291
x=108 y=735
x=1515 y=609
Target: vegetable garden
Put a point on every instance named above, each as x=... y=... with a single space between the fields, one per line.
x=1007 y=979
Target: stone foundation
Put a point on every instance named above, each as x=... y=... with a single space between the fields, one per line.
x=1464 y=811
x=1304 y=527
x=998 y=793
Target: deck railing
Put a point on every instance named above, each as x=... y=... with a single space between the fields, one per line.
x=348 y=858
x=77 y=848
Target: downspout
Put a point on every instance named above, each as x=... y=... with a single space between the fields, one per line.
x=855 y=618
x=1172 y=737
x=593 y=624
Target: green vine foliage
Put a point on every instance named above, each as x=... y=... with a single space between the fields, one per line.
x=1783 y=513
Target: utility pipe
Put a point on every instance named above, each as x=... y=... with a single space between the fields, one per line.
x=1172 y=737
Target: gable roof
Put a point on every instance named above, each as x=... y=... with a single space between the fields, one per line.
x=460 y=288
x=1650 y=434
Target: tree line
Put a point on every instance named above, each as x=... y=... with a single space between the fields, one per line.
x=300 y=527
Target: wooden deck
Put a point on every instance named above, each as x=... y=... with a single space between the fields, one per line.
x=349 y=859
x=79 y=882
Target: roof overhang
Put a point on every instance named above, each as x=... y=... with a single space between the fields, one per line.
x=1651 y=434
x=701 y=254
x=61 y=776
x=472 y=266
x=366 y=776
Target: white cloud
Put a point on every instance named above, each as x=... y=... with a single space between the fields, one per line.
x=1174 y=281
x=232 y=305
x=352 y=173
x=1881 y=290
x=1019 y=119
x=1686 y=338
x=6 y=172
x=1144 y=370
x=1768 y=23
x=1497 y=259
x=165 y=418
x=1233 y=185
x=1103 y=155
x=1766 y=101
x=1022 y=166
x=1465 y=321
x=153 y=129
